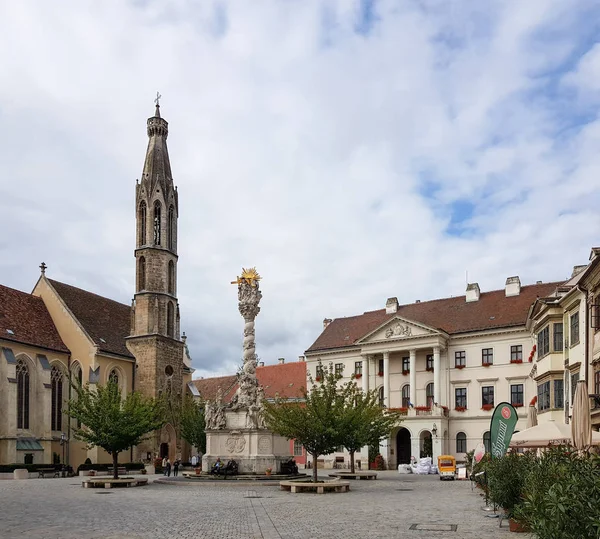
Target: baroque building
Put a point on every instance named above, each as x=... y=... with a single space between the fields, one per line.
x=59 y=333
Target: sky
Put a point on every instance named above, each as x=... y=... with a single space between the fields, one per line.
x=351 y=150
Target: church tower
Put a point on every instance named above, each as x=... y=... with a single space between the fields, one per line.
x=154 y=339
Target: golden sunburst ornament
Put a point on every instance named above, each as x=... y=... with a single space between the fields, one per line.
x=249 y=276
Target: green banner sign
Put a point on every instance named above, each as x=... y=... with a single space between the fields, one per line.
x=502 y=426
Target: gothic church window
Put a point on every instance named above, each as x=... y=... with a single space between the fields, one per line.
x=56 y=379
x=22 y=395
x=170 y=319
x=143 y=223
x=171 y=278
x=171 y=228
x=114 y=376
x=142 y=274
x=157 y=223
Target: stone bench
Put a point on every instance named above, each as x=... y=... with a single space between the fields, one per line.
x=114 y=483
x=43 y=472
x=355 y=475
x=319 y=488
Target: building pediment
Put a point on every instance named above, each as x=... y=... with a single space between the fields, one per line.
x=398 y=328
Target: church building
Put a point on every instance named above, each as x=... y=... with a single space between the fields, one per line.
x=59 y=333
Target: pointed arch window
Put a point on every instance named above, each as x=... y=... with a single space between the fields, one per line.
x=141 y=274
x=156 y=226
x=405 y=396
x=77 y=375
x=170 y=319
x=171 y=228
x=171 y=278
x=142 y=223
x=114 y=376
x=56 y=379
x=22 y=395
x=429 y=395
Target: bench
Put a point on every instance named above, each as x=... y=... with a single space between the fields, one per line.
x=289 y=467
x=319 y=488
x=355 y=475
x=231 y=468
x=121 y=470
x=112 y=483
x=43 y=471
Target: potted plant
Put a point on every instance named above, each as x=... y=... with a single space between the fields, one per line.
x=460 y=408
x=405 y=372
x=380 y=373
x=359 y=375
x=268 y=472
x=197 y=469
x=143 y=471
x=460 y=366
x=487 y=407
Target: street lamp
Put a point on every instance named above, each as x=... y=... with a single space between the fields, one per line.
x=63 y=439
x=434 y=430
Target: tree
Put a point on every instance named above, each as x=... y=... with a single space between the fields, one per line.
x=113 y=423
x=191 y=423
x=316 y=422
x=363 y=421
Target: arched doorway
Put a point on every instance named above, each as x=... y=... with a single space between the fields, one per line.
x=425 y=444
x=164 y=450
x=403 y=446
x=168 y=442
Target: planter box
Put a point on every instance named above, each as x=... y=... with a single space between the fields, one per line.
x=517 y=527
x=150 y=470
x=21 y=473
x=84 y=473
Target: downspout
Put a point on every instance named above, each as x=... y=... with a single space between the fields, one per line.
x=68 y=416
x=132 y=390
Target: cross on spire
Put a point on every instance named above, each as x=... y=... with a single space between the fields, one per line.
x=157 y=101
x=43 y=268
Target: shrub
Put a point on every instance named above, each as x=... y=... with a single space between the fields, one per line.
x=506 y=479
x=130 y=466
x=379 y=463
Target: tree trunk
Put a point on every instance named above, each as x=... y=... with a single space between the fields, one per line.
x=115 y=457
x=352 y=461
x=314 y=457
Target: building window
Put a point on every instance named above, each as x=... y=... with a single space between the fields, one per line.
x=380 y=367
x=141 y=274
x=597 y=382
x=544 y=396
x=429 y=395
x=460 y=397
x=460 y=359
x=339 y=369
x=558 y=337
x=405 y=396
x=406 y=364
x=171 y=278
x=358 y=368
x=559 y=394
x=113 y=377
x=487 y=395
x=487 y=441
x=381 y=397
x=319 y=373
x=56 y=381
x=142 y=223
x=171 y=230
x=574 y=328
x=574 y=380
x=543 y=345
x=429 y=362
x=170 y=319
x=516 y=353
x=156 y=226
x=22 y=395
x=516 y=394
x=487 y=356
x=461 y=442
x=297 y=448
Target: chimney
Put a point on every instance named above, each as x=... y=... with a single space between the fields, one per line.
x=538 y=282
x=472 y=292
x=326 y=322
x=261 y=363
x=577 y=270
x=281 y=360
x=301 y=358
x=391 y=305
x=512 y=286
x=418 y=301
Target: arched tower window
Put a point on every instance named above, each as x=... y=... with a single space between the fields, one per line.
x=56 y=379
x=141 y=274
x=156 y=223
x=22 y=395
x=170 y=319
x=142 y=223
x=114 y=376
x=405 y=396
x=429 y=395
x=171 y=278
x=171 y=228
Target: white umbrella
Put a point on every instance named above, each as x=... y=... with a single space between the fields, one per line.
x=547 y=433
x=531 y=416
x=581 y=423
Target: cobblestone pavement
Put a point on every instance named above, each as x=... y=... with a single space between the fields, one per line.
x=388 y=507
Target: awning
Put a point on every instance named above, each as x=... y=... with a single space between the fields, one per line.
x=28 y=444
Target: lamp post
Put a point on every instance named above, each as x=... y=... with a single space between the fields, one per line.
x=63 y=439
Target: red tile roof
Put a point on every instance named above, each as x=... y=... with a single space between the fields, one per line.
x=285 y=380
x=106 y=321
x=452 y=315
x=27 y=317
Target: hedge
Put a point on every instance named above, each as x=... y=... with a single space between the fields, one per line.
x=106 y=466
x=10 y=468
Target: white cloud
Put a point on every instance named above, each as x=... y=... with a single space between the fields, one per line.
x=302 y=147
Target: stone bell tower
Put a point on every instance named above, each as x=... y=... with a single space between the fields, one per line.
x=154 y=339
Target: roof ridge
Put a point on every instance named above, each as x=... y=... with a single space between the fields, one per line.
x=53 y=281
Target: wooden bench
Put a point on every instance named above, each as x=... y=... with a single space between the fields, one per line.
x=319 y=488
x=121 y=470
x=43 y=471
x=355 y=475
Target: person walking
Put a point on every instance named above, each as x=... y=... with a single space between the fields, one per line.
x=168 y=467
x=175 y=468
x=164 y=465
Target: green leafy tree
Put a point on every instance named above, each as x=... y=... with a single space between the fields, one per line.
x=363 y=421
x=113 y=423
x=192 y=424
x=316 y=422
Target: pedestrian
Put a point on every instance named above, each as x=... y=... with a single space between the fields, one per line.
x=164 y=465
x=168 y=467
x=194 y=461
x=176 y=468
